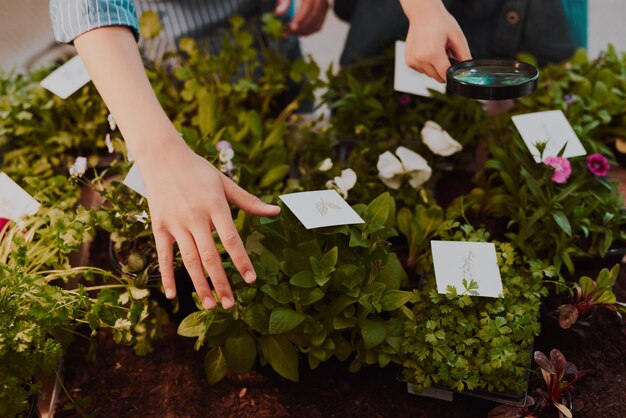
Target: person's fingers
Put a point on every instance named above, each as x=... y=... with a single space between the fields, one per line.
x=232 y=241
x=300 y=16
x=193 y=264
x=164 y=246
x=309 y=17
x=457 y=43
x=212 y=262
x=247 y=201
x=282 y=6
x=440 y=67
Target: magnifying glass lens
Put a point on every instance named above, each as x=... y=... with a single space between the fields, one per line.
x=492 y=79
x=491 y=76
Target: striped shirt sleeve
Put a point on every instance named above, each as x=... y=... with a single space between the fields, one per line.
x=71 y=18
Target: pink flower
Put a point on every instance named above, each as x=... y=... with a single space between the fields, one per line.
x=3 y=222
x=598 y=164
x=561 y=166
x=405 y=100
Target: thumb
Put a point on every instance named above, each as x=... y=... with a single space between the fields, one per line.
x=247 y=201
x=282 y=6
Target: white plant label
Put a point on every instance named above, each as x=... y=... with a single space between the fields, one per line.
x=407 y=80
x=471 y=267
x=15 y=202
x=321 y=208
x=134 y=181
x=67 y=79
x=552 y=128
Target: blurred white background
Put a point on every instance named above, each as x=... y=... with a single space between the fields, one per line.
x=26 y=37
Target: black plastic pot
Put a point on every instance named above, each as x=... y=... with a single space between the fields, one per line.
x=184 y=288
x=507 y=398
x=613 y=256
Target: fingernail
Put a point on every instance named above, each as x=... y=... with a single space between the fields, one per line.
x=207 y=303
x=227 y=302
x=169 y=293
x=250 y=277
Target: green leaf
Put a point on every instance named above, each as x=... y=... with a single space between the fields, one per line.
x=215 y=365
x=207 y=112
x=394 y=299
x=281 y=293
x=274 y=175
x=562 y=221
x=281 y=355
x=275 y=137
x=194 y=325
x=381 y=211
x=329 y=260
x=303 y=279
x=283 y=320
x=373 y=332
x=309 y=297
x=270 y=262
x=240 y=351
x=149 y=25
x=257 y=318
x=392 y=273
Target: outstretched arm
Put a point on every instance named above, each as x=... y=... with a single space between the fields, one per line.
x=187 y=196
x=433 y=35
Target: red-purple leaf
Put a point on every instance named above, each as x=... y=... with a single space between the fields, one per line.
x=558 y=360
x=568 y=315
x=543 y=362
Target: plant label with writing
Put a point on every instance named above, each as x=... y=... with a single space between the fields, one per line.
x=407 y=80
x=134 y=181
x=552 y=128
x=470 y=267
x=67 y=79
x=15 y=202
x=321 y=208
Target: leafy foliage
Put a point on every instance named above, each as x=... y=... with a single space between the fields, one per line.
x=584 y=217
x=38 y=316
x=589 y=294
x=331 y=292
x=463 y=342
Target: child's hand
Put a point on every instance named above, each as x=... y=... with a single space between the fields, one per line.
x=309 y=17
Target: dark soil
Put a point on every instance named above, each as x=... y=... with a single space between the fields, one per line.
x=170 y=382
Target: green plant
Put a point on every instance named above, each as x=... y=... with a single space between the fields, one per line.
x=463 y=342
x=591 y=93
x=319 y=293
x=583 y=217
x=589 y=294
x=38 y=315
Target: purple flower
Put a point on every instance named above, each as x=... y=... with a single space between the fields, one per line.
x=561 y=166
x=223 y=145
x=569 y=99
x=598 y=164
x=405 y=100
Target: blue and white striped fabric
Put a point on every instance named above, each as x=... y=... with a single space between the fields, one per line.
x=196 y=18
x=71 y=18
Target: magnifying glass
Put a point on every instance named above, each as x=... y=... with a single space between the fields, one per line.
x=492 y=79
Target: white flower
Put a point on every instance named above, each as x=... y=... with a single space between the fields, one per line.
x=343 y=183
x=391 y=170
x=438 y=140
x=226 y=155
x=325 y=165
x=142 y=217
x=107 y=140
x=111 y=121
x=79 y=167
